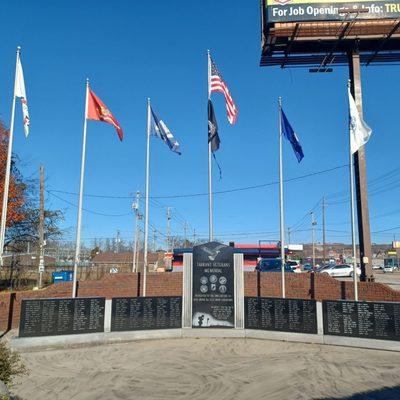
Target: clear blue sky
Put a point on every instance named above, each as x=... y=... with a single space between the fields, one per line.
x=132 y=50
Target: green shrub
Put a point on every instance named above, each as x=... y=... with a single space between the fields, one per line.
x=11 y=365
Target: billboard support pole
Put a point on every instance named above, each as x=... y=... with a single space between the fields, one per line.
x=360 y=172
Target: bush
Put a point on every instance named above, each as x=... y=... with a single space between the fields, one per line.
x=11 y=364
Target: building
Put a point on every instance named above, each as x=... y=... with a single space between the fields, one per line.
x=251 y=253
x=123 y=262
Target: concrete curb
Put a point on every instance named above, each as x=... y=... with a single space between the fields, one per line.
x=95 y=339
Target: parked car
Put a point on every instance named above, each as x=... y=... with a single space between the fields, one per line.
x=271 y=265
x=340 y=270
x=322 y=267
x=308 y=268
x=389 y=268
x=390 y=265
x=295 y=265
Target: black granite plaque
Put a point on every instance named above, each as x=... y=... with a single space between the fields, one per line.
x=143 y=313
x=362 y=319
x=285 y=315
x=47 y=317
x=213 y=298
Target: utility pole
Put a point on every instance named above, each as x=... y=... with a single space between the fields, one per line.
x=168 y=228
x=41 y=228
x=135 y=208
x=154 y=240
x=117 y=241
x=289 y=232
x=313 y=223
x=323 y=231
x=360 y=174
x=194 y=237
x=185 y=232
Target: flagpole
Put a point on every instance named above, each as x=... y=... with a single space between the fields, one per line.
x=210 y=196
x=79 y=222
x=146 y=223
x=281 y=215
x=8 y=168
x=353 y=231
x=135 y=207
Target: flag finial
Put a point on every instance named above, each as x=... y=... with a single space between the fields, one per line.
x=18 y=49
x=87 y=82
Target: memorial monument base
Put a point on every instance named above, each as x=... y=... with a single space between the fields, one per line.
x=95 y=339
x=92 y=339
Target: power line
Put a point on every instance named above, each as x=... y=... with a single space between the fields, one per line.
x=85 y=209
x=206 y=194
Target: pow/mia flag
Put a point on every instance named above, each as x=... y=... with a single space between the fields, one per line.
x=213 y=137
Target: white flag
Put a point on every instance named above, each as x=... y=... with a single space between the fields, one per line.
x=20 y=92
x=360 y=132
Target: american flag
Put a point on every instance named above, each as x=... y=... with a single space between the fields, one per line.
x=217 y=84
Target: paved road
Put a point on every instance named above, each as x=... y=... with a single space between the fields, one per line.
x=391 y=279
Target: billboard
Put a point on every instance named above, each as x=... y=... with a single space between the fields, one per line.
x=329 y=10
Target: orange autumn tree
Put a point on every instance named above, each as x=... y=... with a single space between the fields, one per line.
x=16 y=212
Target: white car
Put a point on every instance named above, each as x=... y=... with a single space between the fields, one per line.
x=389 y=268
x=340 y=270
x=295 y=265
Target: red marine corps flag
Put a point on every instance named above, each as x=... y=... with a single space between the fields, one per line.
x=98 y=111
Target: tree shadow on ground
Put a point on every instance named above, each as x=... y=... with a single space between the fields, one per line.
x=387 y=393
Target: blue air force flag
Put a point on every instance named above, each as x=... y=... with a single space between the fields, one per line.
x=360 y=132
x=160 y=130
x=289 y=134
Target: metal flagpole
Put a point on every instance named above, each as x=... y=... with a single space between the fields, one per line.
x=313 y=223
x=79 y=222
x=210 y=196
x=282 y=225
x=8 y=168
x=41 y=228
x=146 y=222
x=135 y=207
x=353 y=231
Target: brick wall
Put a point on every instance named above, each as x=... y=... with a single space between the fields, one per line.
x=303 y=286
x=315 y=286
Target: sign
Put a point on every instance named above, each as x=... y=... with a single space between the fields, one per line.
x=48 y=317
x=329 y=10
x=285 y=315
x=362 y=319
x=213 y=303
x=144 y=313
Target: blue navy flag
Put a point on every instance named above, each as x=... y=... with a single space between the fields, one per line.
x=290 y=135
x=160 y=130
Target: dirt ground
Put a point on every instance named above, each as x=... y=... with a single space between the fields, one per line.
x=234 y=369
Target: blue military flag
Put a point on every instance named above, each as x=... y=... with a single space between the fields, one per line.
x=160 y=130
x=213 y=137
x=289 y=134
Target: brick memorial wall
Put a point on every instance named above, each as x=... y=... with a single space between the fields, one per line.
x=299 y=286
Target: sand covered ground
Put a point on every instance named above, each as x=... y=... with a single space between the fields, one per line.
x=221 y=369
